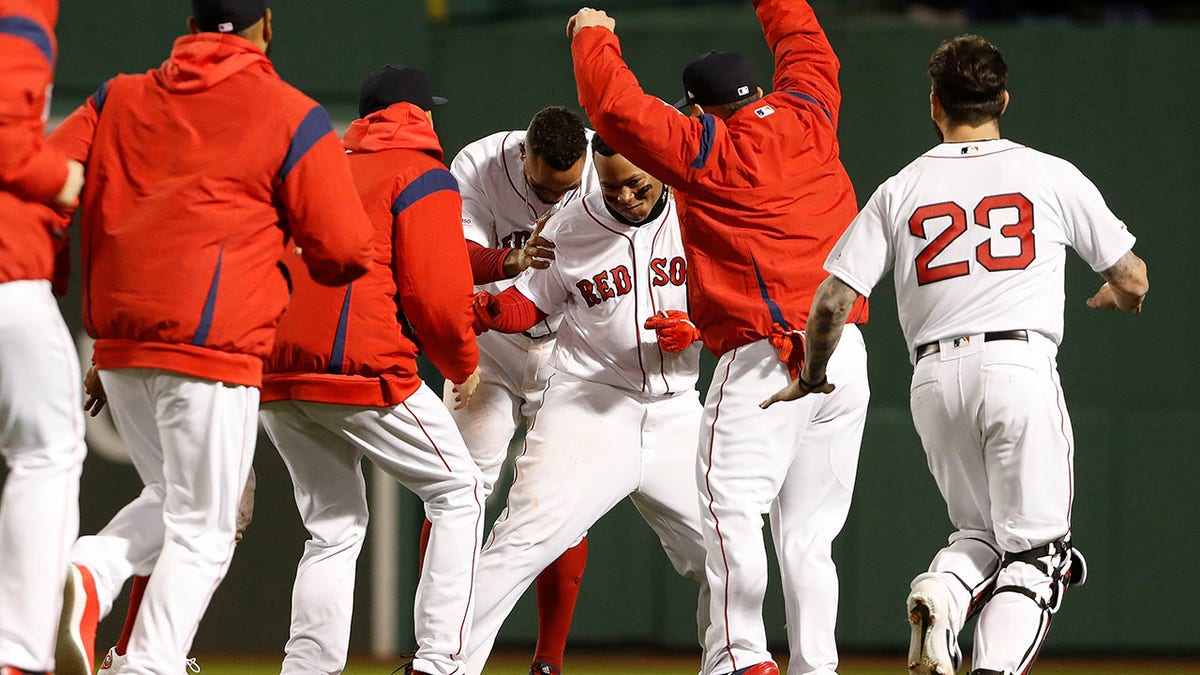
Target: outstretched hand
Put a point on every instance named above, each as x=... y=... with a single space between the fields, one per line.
x=590 y=17
x=1106 y=298
x=537 y=253
x=95 y=392
x=798 y=388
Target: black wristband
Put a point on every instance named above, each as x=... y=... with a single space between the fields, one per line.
x=814 y=385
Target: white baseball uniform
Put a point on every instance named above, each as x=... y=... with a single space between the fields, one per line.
x=976 y=233
x=41 y=439
x=620 y=417
x=501 y=210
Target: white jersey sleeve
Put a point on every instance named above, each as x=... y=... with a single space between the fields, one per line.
x=1092 y=229
x=545 y=287
x=865 y=251
x=479 y=223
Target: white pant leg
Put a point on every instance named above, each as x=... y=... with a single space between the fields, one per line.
x=331 y=496
x=130 y=543
x=1029 y=451
x=512 y=374
x=812 y=507
x=667 y=496
x=581 y=457
x=207 y=432
x=41 y=439
x=417 y=443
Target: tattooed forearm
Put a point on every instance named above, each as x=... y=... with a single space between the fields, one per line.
x=830 y=308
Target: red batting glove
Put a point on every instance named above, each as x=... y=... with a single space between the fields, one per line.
x=485 y=309
x=676 y=332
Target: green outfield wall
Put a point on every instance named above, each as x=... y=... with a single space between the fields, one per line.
x=1119 y=102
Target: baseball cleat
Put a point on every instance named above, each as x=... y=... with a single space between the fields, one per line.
x=764 y=668
x=543 y=668
x=933 y=646
x=75 y=649
x=112 y=662
x=10 y=670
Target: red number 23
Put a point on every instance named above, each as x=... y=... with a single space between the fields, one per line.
x=1021 y=230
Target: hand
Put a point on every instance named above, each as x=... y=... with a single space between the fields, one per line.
x=536 y=253
x=246 y=506
x=590 y=17
x=676 y=332
x=68 y=196
x=1107 y=298
x=463 y=392
x=798 y=388
x=485 y=309
x=95 y=392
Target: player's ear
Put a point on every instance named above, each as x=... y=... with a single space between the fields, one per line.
x=1005 y=106
x=935 y=107
x=192 y=27
x=267 y=33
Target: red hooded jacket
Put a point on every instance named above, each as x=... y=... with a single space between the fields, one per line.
x=353 y=346
x=32 y=172
x=197 y=173
x=762 y=195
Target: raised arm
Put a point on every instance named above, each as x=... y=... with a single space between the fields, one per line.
x=1125 y=286
x=433 y=276
x=648 y=132
x=804 y=60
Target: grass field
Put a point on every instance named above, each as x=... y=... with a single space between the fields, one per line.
x=601 y=664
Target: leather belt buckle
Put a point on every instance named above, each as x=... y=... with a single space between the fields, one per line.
x=991 y=336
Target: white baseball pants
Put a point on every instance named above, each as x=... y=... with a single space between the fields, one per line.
x=41 y=439
x=797 y=461
x=589 y=447
x=192 y=443
x=998 y=440
x=512 y=375
x=416 y=443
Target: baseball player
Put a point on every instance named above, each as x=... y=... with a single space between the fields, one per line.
x=342 y=384
x=182 y=291
x=763 y=199
x=41 y=426
x=509 y=181
x=976 y=231
x=621 y=413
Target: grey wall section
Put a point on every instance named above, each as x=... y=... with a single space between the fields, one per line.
x=1117 y=102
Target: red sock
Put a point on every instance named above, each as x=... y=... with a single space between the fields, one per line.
x=426 y=528
x=135 y=603
x=557 y=590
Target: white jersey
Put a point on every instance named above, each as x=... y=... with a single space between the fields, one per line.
x=500 y=210
x=977 y=233
x=607 y=279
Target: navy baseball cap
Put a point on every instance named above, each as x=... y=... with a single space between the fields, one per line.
x=228 y=16
x=717 y=77
x=393 y=84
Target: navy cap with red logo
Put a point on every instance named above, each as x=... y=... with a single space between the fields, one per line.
x=717 y=77
x=228 y=16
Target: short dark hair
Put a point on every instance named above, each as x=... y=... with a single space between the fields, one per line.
x=557 y=136
x=600 y=147
x=969 y=79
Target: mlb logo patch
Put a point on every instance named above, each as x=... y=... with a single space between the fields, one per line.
x=743 y=91
x=763 y=111
x=961 y=341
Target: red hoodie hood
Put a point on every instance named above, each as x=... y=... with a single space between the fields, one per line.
x=203 y=60
x=399 y=126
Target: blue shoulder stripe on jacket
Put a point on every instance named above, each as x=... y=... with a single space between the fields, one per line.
x=433 y=180
x=315 y=125
x=28 y=29
x=707 y=133
x=100 y=96
x=806 y=97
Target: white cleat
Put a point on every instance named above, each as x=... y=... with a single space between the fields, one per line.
x=933 y=647
x=113 y=662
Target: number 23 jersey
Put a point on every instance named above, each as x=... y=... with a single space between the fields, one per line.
x=976 y=233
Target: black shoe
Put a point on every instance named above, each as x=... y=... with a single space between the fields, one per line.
x=543 y=668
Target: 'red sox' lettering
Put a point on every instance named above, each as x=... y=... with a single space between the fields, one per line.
x=619 y=280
